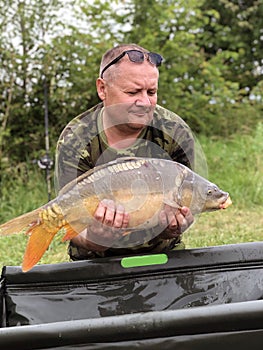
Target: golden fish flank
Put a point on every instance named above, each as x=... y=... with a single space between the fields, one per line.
x=141 y=185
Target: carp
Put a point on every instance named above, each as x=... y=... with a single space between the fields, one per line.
x=141 y=185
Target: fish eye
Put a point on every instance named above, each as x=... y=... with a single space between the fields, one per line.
x=209 y=192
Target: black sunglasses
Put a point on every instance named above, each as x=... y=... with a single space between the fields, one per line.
x=137 y=57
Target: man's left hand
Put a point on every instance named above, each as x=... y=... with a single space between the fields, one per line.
x=174 y=221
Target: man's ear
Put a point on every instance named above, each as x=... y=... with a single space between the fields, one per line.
x=100 y=84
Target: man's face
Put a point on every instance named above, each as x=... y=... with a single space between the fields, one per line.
x=130 y=98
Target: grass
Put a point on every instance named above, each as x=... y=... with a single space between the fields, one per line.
x=235 y=164
x=234 y=225
x=23 y=190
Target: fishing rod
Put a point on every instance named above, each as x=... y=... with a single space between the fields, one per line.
x=46 y=162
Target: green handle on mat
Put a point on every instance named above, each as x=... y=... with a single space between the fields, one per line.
x=144 y=260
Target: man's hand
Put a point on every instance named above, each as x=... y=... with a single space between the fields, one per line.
x=174 y=221
x=107 y=226
x=111 y=215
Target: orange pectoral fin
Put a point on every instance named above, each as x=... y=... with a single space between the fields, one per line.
x=38 y=242
x=70 y=233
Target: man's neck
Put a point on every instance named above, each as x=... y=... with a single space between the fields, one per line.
x=121 y=135
x=118 y=138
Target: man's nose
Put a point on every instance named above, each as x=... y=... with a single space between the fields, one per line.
x=143 y=99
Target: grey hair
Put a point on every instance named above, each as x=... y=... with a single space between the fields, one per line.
x=115 y=52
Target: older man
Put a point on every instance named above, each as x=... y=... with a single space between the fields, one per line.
x=128 y=122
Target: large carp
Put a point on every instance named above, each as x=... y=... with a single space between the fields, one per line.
x=141 y=185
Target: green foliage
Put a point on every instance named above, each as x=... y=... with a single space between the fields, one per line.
x=231 y=226
x=27 y=26
x=236 y=164
x=235 y=27
x=23 y=189
x=211 y=76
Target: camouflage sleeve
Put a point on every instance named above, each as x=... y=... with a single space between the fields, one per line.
x=68 y=160
x=76 y=148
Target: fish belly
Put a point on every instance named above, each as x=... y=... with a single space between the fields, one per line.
x=143 y=209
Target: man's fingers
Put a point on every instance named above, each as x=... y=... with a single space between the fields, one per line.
x=185 y=218
x=111 y=215
x=175 y=221
x=172 y=220
x=168 y=217
x=110 y=212
x=100 y=212
x=163 y=219
x=121 y=218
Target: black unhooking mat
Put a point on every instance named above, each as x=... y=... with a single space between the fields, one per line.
x=209 y=298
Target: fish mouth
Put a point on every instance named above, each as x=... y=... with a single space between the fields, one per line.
x=226 y=203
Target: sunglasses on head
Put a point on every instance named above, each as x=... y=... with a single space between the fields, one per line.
x=137 y=57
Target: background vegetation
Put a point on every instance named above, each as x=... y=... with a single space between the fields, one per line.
x=211 y=76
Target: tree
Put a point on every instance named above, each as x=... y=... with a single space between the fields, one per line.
x=26 y=26
x=211 y=54
x=234 y=31
x=212 y=67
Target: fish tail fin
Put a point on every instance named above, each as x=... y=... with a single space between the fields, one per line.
x=19 y=223
x=39 y=240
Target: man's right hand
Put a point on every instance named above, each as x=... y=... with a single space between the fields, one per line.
x=107 y=226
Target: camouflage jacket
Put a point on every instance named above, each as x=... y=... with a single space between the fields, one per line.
x=83 y=145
